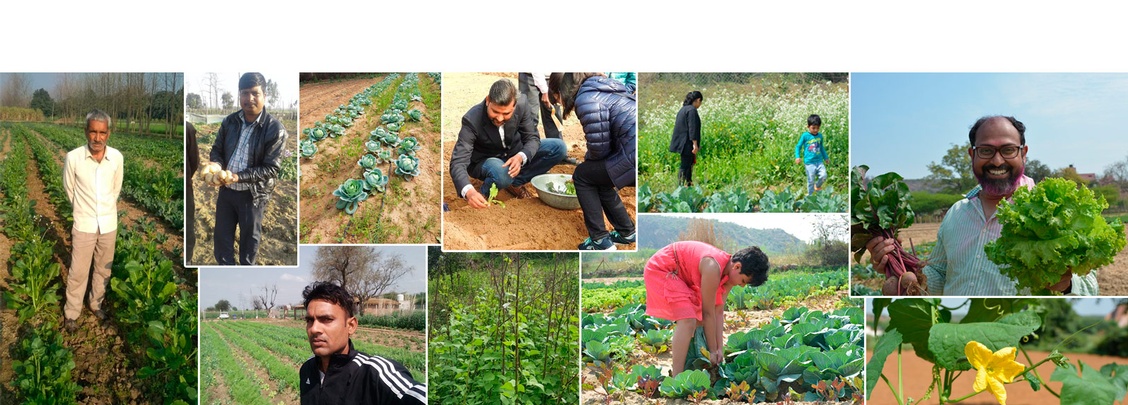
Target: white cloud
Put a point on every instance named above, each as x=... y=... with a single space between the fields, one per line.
x=291 y=277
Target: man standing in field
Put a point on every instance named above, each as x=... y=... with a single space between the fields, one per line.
x=499 y=144
x=92 y=177
x=338 y=373
x=958 y=265
x=249 y=144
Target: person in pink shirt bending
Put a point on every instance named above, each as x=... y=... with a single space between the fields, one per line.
x=687 y=282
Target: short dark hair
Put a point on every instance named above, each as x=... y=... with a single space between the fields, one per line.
x=251 y=79
x=753 y=262
x=814 y=119
x=978 y=123
x=503 y=92
x=693 y=96
x=329 y=292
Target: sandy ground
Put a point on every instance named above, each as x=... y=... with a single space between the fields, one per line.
x=523 y=224
x=918 y=379
x=1112 y=279
x=408 y=212
x=279 y=243
x=747 y=319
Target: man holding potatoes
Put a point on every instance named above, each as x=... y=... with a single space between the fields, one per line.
x=245 y=163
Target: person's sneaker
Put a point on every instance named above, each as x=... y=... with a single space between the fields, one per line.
x=518 y=191
x=101 y=315
x=572 y=161
x=625 y=240
x=70 y=325
x=601 y=244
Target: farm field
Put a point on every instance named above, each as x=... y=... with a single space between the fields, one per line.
x=800 y=324
x=279 y=243
x=146 y=352
x=399 y=206
x=257 y=361
x=752 y=120
x=522 y=224
x=1112 y=279
x=503 y=328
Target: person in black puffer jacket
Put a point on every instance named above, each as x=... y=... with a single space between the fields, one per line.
x=607 y=111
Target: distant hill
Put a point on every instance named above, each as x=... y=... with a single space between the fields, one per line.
x=656 y=231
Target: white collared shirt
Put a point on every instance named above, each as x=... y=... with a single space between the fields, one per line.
x=93 y=188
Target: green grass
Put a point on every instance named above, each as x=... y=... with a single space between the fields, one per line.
x=432 y=98
x=748 y=135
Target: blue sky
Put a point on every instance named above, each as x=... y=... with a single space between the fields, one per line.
x=236 y=285
x=902 y=121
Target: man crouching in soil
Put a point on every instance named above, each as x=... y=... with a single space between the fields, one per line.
x=337 y=373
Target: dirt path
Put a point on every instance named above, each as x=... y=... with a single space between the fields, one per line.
x=525 y=224
x=918 y=378
x=407 y=212
x=279 y=243
x=1112 y=279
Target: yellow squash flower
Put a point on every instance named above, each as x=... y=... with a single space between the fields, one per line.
x=993 y=369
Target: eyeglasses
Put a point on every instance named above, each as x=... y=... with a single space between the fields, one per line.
x=987 y=152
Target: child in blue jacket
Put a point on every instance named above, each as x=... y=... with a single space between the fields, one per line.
x=814 y=156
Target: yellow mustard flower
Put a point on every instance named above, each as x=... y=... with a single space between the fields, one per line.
x=993 y=369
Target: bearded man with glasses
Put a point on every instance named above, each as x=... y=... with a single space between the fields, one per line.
x=958 y=265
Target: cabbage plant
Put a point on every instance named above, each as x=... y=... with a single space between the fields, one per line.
x=308 y=148
x=395 y=126
x=391 y=117
x=367 y=161
x=372 y=146
x=415 y=115
x=375 y=180
x=384 y=155
x=407 y=166
x=351 y=193
x=317 y=133
x=383 y=135
x=408 y=146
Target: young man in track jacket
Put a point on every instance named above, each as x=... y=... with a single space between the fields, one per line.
x=337 y=373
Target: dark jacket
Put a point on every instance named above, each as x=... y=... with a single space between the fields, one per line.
x=479 y=139
x=687 y=128
x=357 y=378
x=607 y=111
x=267 y=142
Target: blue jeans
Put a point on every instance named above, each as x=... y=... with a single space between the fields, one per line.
x=491 y=171
x=815 y=170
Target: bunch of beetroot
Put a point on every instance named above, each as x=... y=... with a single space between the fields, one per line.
x=881 y=208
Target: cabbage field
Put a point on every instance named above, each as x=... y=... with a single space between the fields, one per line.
x=750 y=124
x=146 y=352
x=370 y=167
x=797 y=338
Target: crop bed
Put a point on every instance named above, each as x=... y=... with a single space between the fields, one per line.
x=255 y=362
x=147 y=349
x=756 y=125
x=370 y=159
x=797 y=338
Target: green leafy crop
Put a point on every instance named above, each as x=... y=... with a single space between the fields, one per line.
x=351 y=193
x=308 y=148
x=375 y=180
x=407 y=166
x=1053 y=228
x=367 y=161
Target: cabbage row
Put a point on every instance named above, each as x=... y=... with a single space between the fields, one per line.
x=736 y=199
